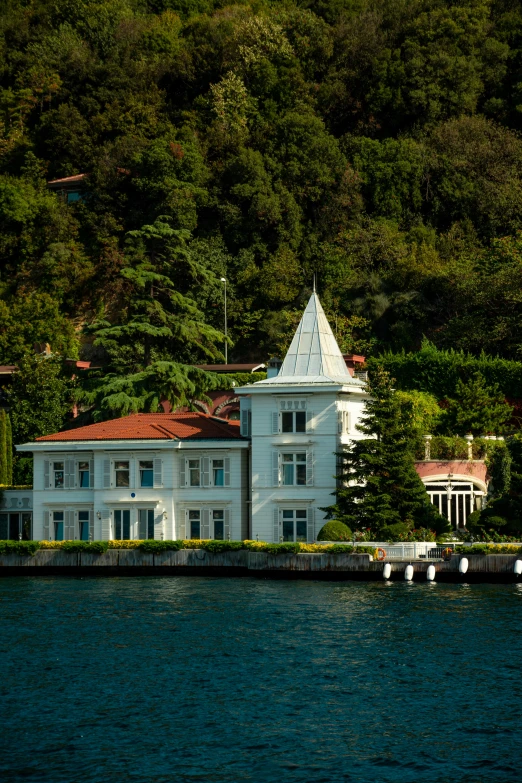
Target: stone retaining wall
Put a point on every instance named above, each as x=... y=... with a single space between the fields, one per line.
x=129 y=562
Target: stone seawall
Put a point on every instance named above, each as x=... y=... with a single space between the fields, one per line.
x=132 y=562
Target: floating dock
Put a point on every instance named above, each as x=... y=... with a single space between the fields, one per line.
x=194 y=562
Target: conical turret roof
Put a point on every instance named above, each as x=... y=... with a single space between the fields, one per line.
x=313 y=356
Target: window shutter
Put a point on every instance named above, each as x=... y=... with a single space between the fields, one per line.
x=182 y=524
x=310 y=525
x=275 y=423
x=91 y=524
x=205 y=523
x=276 y=525
x=245 y=430
x=105 y=525
x=275 y=468
x=142 y=525
x=227 y=471
x=106 y=475
x=68 y=478
x=309 y=421
x=68 y=532
x=340 y=421
x=158 y=526
x=91 y=473
x=132 y=466
x=309 y=468
x=205 y=472
x=182 y=472
x=158 y=473
x=227 y=524
x=47 y=525
x=47 y=479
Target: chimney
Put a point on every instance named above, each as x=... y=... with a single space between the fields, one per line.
x=273 y=366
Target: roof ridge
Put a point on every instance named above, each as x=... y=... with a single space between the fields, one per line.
x=165 y=431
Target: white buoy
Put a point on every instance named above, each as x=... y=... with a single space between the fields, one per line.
x=463 y=565
x=386 y=571
x=517 y=568
x=430 y=573
x=408 y=574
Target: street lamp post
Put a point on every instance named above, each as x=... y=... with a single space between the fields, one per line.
x=224 y=280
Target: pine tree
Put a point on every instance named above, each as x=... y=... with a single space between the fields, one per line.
x=378 y=484
x=477 y=408
x=161 y=329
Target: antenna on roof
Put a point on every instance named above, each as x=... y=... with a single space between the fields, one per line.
x=314 y=282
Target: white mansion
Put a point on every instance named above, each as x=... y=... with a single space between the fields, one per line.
x=193 y=475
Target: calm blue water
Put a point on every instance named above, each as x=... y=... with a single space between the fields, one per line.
x=182 y=680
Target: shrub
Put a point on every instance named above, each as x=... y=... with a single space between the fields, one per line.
x=343 y=549
x=25 y=548
x=281 y=549
x=97 y=547
x=334 y=531
x=161 y=546
x=222 y=546
x=365 y=550
x=129 y=544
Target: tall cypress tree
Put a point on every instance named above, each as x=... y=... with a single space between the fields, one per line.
x=160 y=331
x=378 y=484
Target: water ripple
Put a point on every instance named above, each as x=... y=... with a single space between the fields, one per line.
x=202 y=680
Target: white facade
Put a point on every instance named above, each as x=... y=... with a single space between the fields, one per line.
x=117 y=489
x=298 y=421
x=271 y=485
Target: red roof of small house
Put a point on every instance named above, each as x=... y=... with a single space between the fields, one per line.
x=251 y=367
x=153 y=426
x=8 y=369
x=68 y=180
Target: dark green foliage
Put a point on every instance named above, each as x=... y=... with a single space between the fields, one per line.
x=222 y=546
x=334 y=531
x=439 y=371
x=97 y=547
x=4 y=466
x=26 y=548
x=40 y=399
x=280 y=549
x=160 y=546
x=379 y=486
x=375 y=145
x=477 y=408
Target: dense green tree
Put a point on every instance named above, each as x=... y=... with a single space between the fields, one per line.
x=39 y=399
x=477 y=408
x=379 y=488
x=158 y=328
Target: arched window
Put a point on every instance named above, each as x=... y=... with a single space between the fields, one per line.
x=455 y=496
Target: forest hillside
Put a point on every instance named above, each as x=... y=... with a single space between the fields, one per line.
x=372 y=143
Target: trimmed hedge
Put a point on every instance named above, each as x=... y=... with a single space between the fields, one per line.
x=334 y=531
x=19 y=547
x=438 y=371
x=30 y=547
x=489 y=549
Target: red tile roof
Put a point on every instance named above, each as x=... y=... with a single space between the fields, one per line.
x=68 y=180
x=153 y=426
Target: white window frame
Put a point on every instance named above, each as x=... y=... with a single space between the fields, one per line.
x=189 y=469
x=54 y=471
x=294 y=463
x=188 y=532
x=298 y=515
x=116 y=470
x=78 y=473
x=142 y=461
